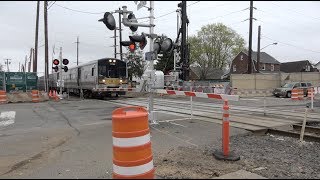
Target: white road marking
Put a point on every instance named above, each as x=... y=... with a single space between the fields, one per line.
x=178 y=124
x=7 y=118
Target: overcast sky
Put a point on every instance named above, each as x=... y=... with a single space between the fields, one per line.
x=295 y=26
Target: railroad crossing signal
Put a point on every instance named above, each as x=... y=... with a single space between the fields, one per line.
x=132 y=45
x=56 y=63
x=142 y=40
x=65 y=62
x=132 y=18
x=164 y=46
x=109 y=21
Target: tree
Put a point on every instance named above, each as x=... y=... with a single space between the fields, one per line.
x=214 y=46
x=136 y=65
x=1 y=67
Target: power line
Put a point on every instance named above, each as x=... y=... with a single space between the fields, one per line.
x=290 y=44
x=317 y=18
x=79 y=10
x=52 y=4
x=228 y=14
x=169 y=13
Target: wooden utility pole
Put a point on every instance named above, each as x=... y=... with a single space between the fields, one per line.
x=250 y=39
x=184 y=57
x=19 y=67
x=46 y=44
x=30 y=58
x=258 y=50
x=35 y=57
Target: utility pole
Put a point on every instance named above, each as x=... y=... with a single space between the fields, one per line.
x=250 y=39
x=7 y=62
x=185 y=61
x=30 y=58
x=35 y=57
x=46 y=44
x=19 y=67
x=77 y=50
x=258 y=51
x=25 y=63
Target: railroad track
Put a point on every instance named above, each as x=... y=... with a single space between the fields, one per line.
x=311 y=133
x=249 y=118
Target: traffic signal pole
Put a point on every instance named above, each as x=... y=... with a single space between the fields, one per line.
x=60 y=73
x=151 y=68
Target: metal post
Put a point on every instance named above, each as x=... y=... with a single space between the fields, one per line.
x=303 y=125
x=150 y=67
x=250 y=39
x=312 y=97
x=264 y=105
x=60 y=72
x=191 y=105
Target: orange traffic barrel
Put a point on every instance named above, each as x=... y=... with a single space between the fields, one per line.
x=132 y=153
x=3 y=97
x=294 y=94
x=300 y=94
x=35 y=96
x=310 y=92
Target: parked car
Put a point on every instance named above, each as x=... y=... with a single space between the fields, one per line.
x=285 y=90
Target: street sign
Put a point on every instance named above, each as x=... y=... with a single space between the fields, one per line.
x=149 y=56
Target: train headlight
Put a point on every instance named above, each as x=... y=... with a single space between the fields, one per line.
x=120 y=80
x=114 y=61
x=103 y=80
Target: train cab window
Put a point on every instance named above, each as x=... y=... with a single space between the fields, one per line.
x=92 y=72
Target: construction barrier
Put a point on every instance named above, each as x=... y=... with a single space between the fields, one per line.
x=3 y=97
x=295 y=94
x=35 y=96
x=132 y=153
x=225 y=153
x=200 y=94
x=300 y=94
x=311 y=92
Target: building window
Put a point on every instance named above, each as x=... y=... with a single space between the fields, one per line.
x=307 y=68
x=272 y=67
x=263 y=66
x=241 y=57
x=234 y=68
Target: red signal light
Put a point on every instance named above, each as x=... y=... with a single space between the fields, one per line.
x=56 y=62
x=132 y=47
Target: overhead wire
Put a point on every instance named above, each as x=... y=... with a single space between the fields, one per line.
x=288 y=44
x=52 y=4
x=78 y=10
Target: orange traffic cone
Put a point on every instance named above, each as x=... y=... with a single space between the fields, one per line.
x=50 y=94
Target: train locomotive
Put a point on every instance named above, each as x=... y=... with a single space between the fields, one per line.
x=92 y=78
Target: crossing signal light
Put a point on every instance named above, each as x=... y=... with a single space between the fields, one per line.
x=56 y=62
x=133 y=19
x=56 y=68
x=65 y=68
x=130 y=44
x=109 y=21
x=65 y=61
x=142 y=40
x=164 y=46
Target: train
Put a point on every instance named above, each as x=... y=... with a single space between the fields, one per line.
x=91 y=78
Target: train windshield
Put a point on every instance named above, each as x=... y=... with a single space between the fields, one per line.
x=112 y=68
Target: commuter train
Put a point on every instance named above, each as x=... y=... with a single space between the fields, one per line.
x=92 y=77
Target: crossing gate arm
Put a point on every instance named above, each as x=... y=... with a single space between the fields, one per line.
x=199 y=94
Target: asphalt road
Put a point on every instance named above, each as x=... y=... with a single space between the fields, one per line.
x=72 y=139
